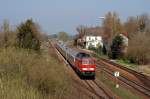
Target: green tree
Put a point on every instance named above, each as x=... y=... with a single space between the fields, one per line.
x=104 y=50
x=63 y=36
x=28 y=35
x=116 y=47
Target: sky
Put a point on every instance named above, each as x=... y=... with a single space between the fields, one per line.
x=65 y=15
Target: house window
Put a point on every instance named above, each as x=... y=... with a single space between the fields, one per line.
x=95 y=38
x=89 y=38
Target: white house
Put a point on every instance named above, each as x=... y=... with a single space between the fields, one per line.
x=93 y=41
x=125 y=39
x=125 y=43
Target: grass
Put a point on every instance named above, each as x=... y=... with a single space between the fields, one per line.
x=127 y=63
x=25 y=74
x=145 y=69
x=123 y=62
x=17 y=89
x=121 y=91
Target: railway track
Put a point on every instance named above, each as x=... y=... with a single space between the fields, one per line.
x=142 y=79
x=97 y=90
x=101 y=90
x=90 y=87
x=137 y=82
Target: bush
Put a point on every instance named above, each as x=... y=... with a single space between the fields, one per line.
x=139 y=48
x=97 y=50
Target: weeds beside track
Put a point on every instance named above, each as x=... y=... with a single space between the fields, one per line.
x=138 y=83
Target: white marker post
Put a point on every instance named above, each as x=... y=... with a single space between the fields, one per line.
x=116 y=74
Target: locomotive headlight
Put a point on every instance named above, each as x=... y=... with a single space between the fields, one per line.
x=88 y=69
x=84 y=68
x=91 y=68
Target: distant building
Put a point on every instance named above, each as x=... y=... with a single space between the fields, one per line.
x=125 y=39
x=125 y=43
x=93 y=41
x=91 y=36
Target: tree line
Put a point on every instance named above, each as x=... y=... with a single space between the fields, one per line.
x=136 y=28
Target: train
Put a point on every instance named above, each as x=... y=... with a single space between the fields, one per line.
x=81 y=61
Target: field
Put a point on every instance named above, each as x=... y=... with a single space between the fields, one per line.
x=26 y=74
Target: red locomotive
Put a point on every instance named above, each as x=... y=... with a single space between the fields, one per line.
x=81 y=61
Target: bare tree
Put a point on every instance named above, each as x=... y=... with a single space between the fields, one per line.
x=142 y=21
x=113 y=24
x=6 y=30
x=139 y=49
x=81 y=30
x=111 y=27
x=131 y=26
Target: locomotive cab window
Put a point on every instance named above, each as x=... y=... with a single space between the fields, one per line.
x=83 y=55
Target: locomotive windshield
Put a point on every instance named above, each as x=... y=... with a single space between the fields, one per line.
x=83 y=55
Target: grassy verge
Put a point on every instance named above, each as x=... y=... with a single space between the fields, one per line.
x=145 y=69
x=127 y=64
x=121 y=91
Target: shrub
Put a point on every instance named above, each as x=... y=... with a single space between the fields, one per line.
x=139 y=48
x=92 y=48
x=97 y=50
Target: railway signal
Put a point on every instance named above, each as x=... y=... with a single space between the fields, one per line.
x=116 y=74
